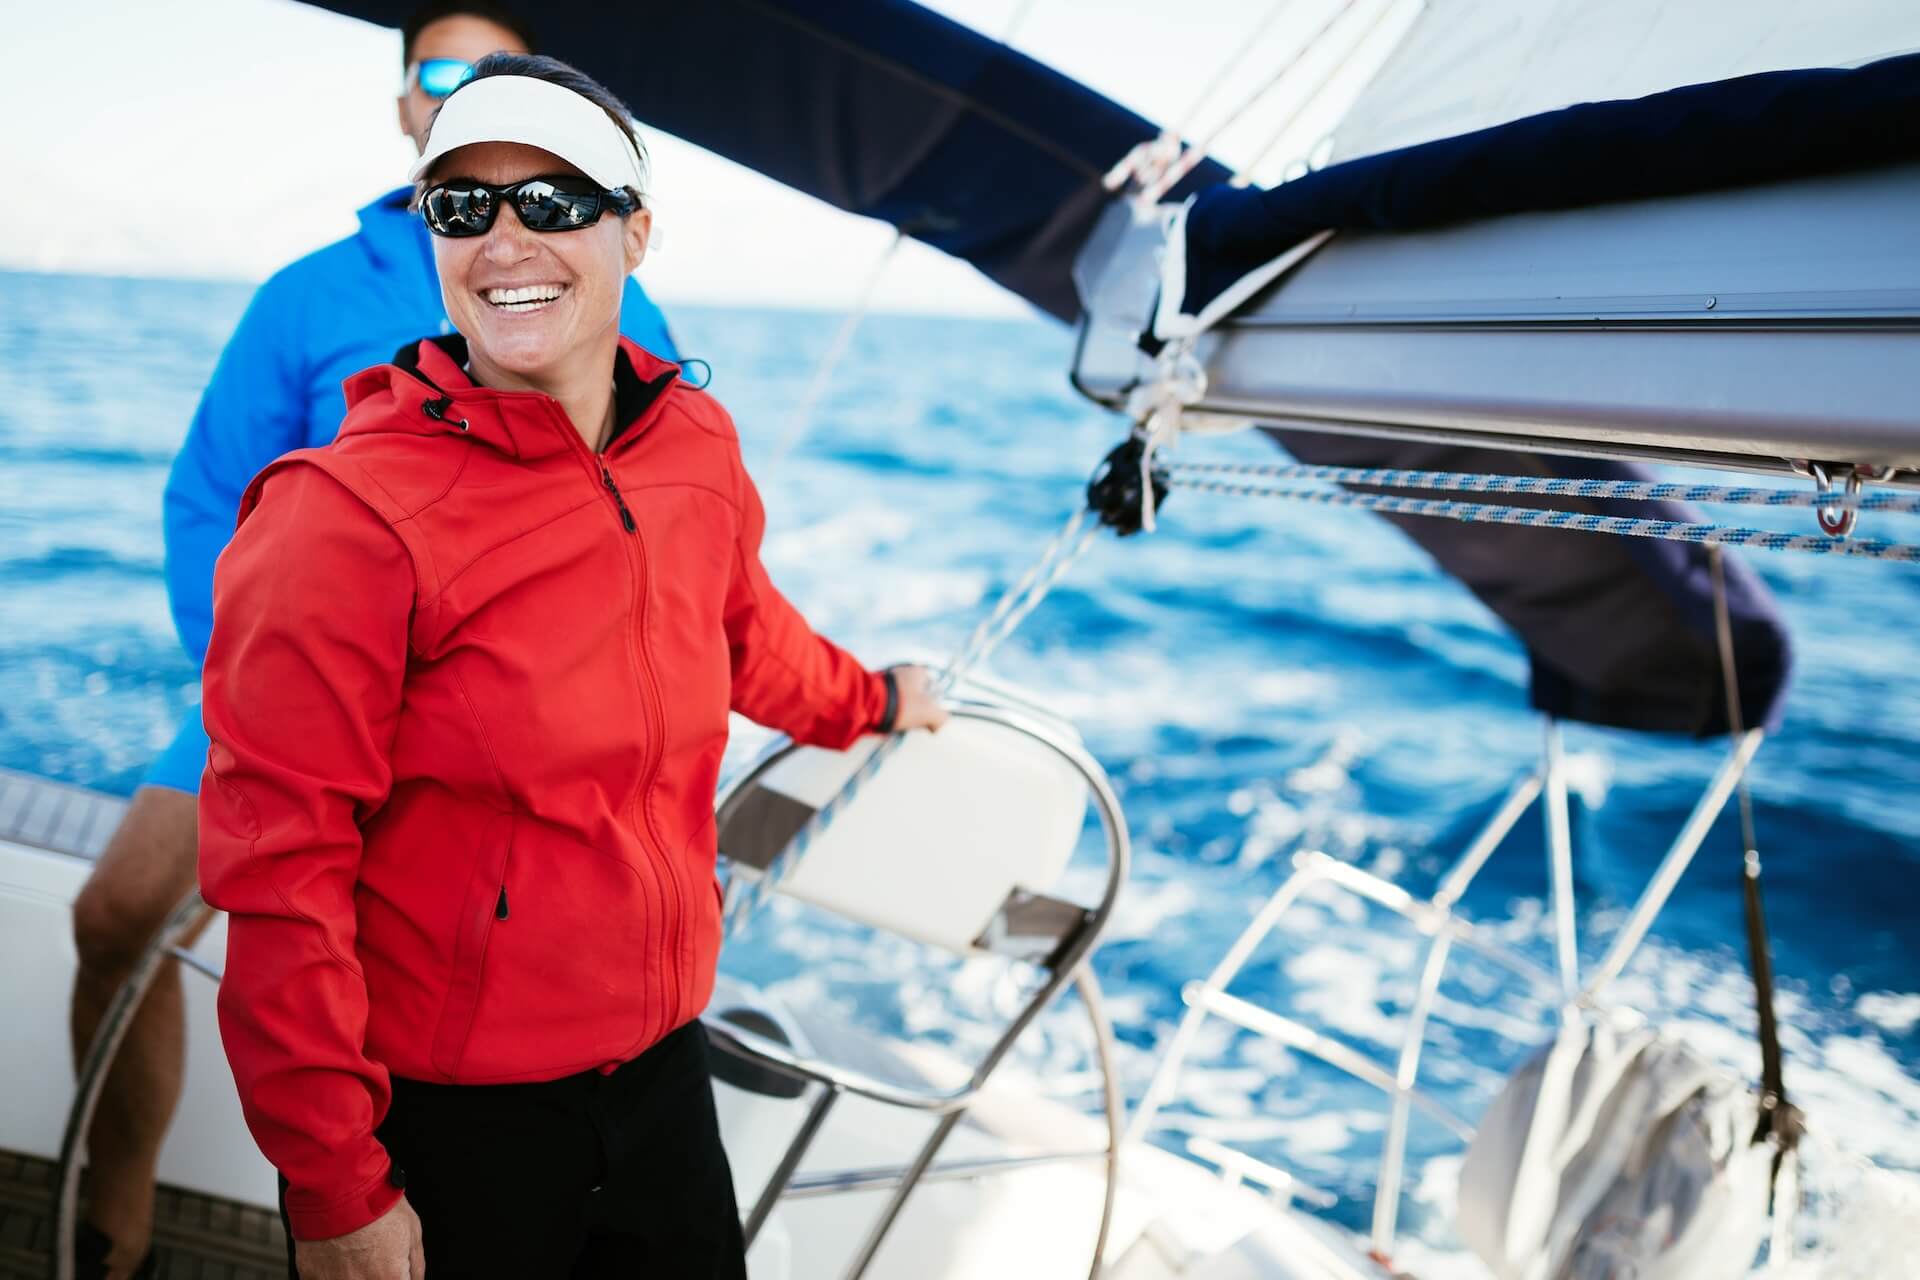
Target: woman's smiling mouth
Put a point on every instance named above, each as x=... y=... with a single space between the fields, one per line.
x=532 y=297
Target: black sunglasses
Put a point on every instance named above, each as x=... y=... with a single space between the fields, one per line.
x=463 y=207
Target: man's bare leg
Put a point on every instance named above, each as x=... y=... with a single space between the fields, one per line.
x=148 y=866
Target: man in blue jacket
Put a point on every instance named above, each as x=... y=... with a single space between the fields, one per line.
x=276 y=388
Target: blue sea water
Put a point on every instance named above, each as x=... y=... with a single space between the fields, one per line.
x=1259 y=679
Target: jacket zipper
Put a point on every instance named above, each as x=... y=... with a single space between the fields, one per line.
x=658 y=724
x=667 y=858
x=672 y=922
x=619 y=503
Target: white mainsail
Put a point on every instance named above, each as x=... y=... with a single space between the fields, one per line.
x=1467 y=64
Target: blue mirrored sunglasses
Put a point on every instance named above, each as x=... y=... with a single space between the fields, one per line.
x=438 y=77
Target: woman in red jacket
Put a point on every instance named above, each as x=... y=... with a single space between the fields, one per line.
x=468 y=692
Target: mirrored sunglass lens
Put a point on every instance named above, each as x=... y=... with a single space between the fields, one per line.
x=536 y=203
x=544 y=208
x=441 y=76
x=458 y=211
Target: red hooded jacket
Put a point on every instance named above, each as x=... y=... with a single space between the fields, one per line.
x=468 y=691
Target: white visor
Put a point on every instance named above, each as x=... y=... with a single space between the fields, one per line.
x=535 y=113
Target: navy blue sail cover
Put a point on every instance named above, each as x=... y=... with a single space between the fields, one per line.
x=880 y=107
x=886 y=109
x=1726 y=133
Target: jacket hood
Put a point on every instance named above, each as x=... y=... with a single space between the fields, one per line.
x=426 y=390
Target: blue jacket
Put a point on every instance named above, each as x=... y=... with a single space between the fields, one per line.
x=344 y=308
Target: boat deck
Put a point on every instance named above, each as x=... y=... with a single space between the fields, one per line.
x=196 y=1237
x=44 y=814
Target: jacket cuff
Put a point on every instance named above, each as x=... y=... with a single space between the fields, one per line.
x=890 y=711
x=314 y=1218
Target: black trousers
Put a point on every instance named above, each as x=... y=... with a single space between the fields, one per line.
x=583 y=1177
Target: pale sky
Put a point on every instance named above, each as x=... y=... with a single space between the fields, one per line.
x=287 y=113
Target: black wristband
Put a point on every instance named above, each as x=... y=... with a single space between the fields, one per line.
x=892 y=711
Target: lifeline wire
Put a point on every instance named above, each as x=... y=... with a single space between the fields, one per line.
x=1640 y=490
x=1484 y=513
x=1014 y=606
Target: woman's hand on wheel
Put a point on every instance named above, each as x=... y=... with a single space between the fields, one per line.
x=920 y=706
x=388 y=1248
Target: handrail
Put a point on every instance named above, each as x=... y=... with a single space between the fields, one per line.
x=1423 y=915
x=1297 y=1035
x=812 y=1186
x=1245 y=1168
x=185 y=917
x=1223 y=973
x=1104 y=1052
x=1386 y=1200
x=1434 y=917
x=1063 y=968
x=1566 y=950
x=789 y=1163
x=1674 y=865
x=773 y=1055
x=1454 y=884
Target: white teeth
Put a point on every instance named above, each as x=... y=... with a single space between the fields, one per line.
x=526 y=298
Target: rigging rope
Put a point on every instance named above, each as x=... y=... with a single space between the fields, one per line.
x=1160 y=163
x=1640 y=490
x=1018 y=20
x=1245 y=177
x=1779 y=1118
x=1013 y=608
x=1219 y=79
x=1485 y=513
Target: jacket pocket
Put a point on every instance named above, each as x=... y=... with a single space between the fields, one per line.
x=579 y=975
x=480 y=911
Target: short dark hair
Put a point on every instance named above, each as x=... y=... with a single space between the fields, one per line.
x=553 y=71
x=434 y=10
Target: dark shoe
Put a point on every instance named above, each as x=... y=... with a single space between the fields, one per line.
x=91 y=1246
